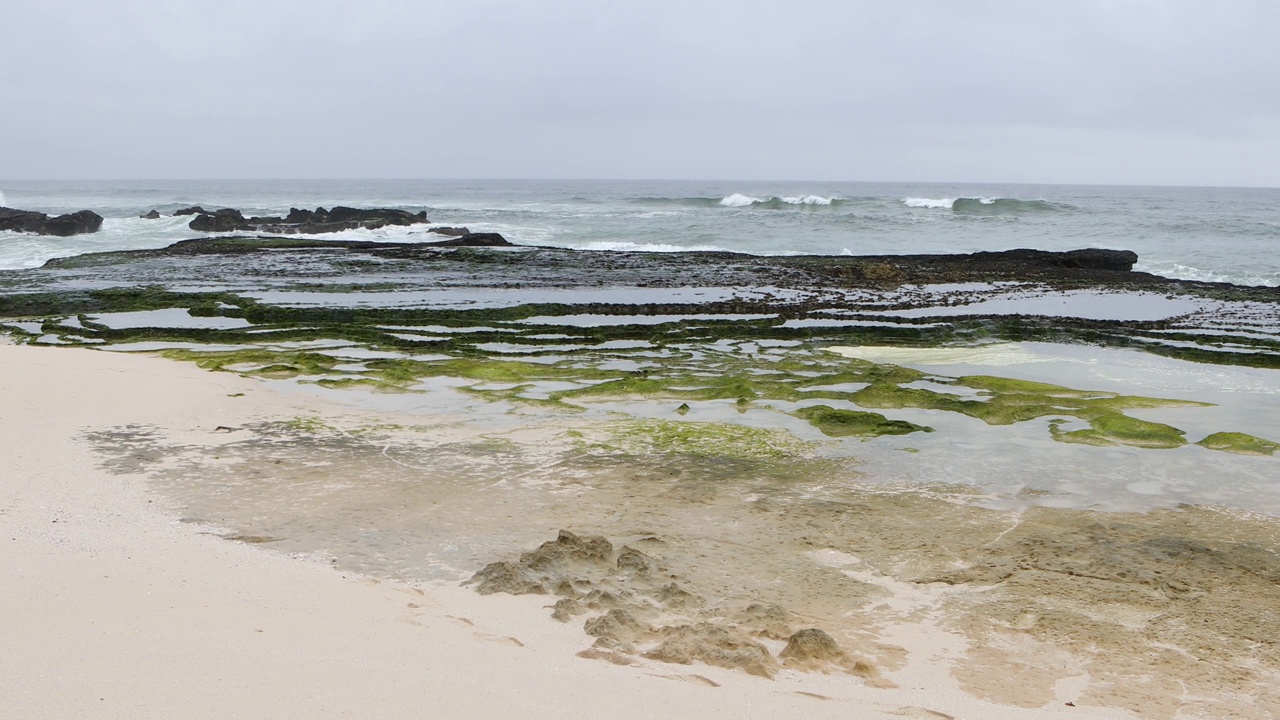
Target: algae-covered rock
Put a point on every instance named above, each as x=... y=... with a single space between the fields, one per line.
x=1239 y=443
x=843 y=423
x=705 y=439
x=1118 y=429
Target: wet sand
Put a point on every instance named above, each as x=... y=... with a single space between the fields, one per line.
x=685 y=582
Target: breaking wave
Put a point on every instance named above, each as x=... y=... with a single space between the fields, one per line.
x=739 y=200
x=987 y=206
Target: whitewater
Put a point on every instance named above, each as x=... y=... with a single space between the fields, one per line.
x=1208 y=234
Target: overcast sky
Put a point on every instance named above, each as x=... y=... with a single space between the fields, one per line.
x=1086 y=91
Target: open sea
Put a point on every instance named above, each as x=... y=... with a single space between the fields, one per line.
x=1210 y=234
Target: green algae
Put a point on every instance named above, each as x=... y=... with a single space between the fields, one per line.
x=1011 y=386
x=1239 y=443
x=834 y=422
x=306 y=424
x=359 y=382
x=704 y=375
x=685 y=367
x=262 y=362
x=705 y=439
x=1109 y=429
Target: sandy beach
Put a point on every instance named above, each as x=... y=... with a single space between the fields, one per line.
x=124 y=608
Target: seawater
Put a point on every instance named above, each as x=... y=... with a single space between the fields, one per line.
x=1211 y=234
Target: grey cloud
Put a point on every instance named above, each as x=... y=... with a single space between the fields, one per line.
x=1101 y=91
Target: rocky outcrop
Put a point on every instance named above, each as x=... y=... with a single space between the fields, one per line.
x=84 y=221
x=635 y=606
x=450 y=231
x=153 y=215
x=474 y=240
x=1088 y=259
x=228 y=220
x=300 y=222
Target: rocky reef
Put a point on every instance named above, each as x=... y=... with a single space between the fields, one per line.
x=76 y=223
x=635 y=606
x=308 y=222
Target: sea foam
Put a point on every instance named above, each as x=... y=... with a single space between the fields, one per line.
x=740 y=200
x=985 y=205
x=917 y=202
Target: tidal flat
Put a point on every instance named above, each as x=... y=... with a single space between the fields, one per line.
x=1064 y=478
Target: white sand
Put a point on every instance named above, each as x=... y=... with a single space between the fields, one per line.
x=113 y=609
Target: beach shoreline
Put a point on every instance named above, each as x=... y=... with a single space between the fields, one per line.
x=129 y=612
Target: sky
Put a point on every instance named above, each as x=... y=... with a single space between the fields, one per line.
x=1161 y=92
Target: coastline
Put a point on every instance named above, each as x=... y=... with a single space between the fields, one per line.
x=127 y=613
x=130 y=613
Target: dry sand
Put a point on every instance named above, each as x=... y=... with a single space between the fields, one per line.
x=114 y=608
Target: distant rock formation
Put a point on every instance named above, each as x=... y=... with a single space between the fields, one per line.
x=450 y=231
x=84 y=221
x=473 y=240
x=153 y=215
x=299 y=222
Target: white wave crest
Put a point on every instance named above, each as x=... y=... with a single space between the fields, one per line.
x=624 y=246
x=807 y=200
x=928 y=202
x=2 y=201
x=739 y=200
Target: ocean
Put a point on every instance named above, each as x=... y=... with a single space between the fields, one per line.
x=1207 y=234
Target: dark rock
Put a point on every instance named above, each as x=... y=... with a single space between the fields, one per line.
x=1090 y=259
x=302 y=222
x=450 y=231
x=20 y=220
x=76 y=223
x=153 y=215
x=226 y=220
x=475 y=240
x=84 y=221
